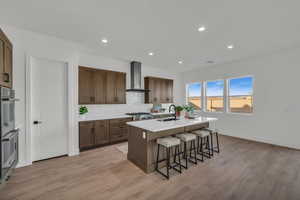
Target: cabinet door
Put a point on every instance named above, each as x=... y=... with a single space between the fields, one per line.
x=164 y=91
x=111 y=87
x=149 y=85
x=119 y=129
x=157 y=91
x=100 y=86
x=101 y=132
x=2 y=47
x=86 y=134
x=86 y=86
x=121 y=88
x=169 y=91
x=8 y=59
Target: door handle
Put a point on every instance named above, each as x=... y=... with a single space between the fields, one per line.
x=37 y=122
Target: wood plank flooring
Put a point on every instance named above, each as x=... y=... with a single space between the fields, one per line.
x=244 y=170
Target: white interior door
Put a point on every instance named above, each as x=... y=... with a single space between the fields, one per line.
x=48 y=108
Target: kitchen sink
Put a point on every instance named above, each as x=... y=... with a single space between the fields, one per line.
x=167 y=119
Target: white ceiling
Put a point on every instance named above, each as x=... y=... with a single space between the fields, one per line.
x=166 y=27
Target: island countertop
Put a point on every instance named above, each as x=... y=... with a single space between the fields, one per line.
x=154 y=125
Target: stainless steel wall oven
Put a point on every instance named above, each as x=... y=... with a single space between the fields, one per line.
x=9 y=134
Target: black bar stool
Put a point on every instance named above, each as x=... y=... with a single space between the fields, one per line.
x=214 y=132
x=203 y=139
x=186 y=138
x=168 y=143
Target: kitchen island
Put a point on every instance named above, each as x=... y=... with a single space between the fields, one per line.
x=142 y=137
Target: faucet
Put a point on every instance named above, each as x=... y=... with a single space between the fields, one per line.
x=173 y=106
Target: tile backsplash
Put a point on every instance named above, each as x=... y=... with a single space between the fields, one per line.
x=135 y=103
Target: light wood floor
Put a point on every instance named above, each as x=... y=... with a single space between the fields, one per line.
x=243 y=170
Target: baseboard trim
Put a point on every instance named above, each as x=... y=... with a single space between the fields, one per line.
x=259 y=141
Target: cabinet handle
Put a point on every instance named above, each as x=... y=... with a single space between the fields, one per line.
x=6 y=77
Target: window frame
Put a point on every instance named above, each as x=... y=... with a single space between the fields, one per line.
x=187 y=94
x=228 y=96
x=224 y=96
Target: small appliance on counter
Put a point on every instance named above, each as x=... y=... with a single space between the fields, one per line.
x=8 y=135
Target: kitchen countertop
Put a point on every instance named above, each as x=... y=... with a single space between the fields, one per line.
x=101 y=117
x=90 y=117
x=154 y=125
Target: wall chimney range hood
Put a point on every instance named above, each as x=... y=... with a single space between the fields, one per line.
x=136 y=77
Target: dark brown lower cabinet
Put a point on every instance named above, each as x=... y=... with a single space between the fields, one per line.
x=102 y=132
x=86 y=135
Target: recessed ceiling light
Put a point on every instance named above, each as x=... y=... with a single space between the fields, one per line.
x=230 y=46
x=104 y=41
x=180 y=62
x=201 y=28
x=150 y=53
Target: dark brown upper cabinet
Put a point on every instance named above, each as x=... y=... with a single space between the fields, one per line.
x=86 y=86
x=6 y=61
x=161 y=90
x=101 y=86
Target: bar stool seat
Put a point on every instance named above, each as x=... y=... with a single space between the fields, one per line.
x=168 y=141
x=202 y=133
x=186 y=137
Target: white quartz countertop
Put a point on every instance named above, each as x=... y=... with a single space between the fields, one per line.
x=94 y=117
x=101 y=117
x=154 y=125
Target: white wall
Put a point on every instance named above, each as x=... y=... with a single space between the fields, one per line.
x=276 y=97
x=27 y=43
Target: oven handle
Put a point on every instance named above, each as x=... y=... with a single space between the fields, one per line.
x=9 y=99
x=10 y=135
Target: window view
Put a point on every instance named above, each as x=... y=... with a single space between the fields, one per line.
x=215 y=96
x=194 y=95
x=241 y=95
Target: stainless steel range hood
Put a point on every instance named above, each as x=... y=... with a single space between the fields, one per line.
x=136 y=77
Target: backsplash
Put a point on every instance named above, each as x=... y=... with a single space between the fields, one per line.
x=134 y=103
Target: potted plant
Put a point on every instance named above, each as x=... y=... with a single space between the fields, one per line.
x=83 y=110
x=178 y=110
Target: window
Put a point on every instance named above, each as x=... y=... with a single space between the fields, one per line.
x=241 y=95
x=194 y=91
x=215 y=96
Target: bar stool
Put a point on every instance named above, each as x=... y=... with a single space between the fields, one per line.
x=214 y=132
x=168 y=143
x=186 y=138
x=203 y=135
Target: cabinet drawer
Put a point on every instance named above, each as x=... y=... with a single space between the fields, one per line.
x=117 y=134
x=120 y=123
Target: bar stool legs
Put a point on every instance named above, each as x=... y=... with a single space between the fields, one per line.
x=190 y=158
x=200 y=148
x=216 y=134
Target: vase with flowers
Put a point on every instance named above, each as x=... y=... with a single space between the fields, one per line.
x=189 y=110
